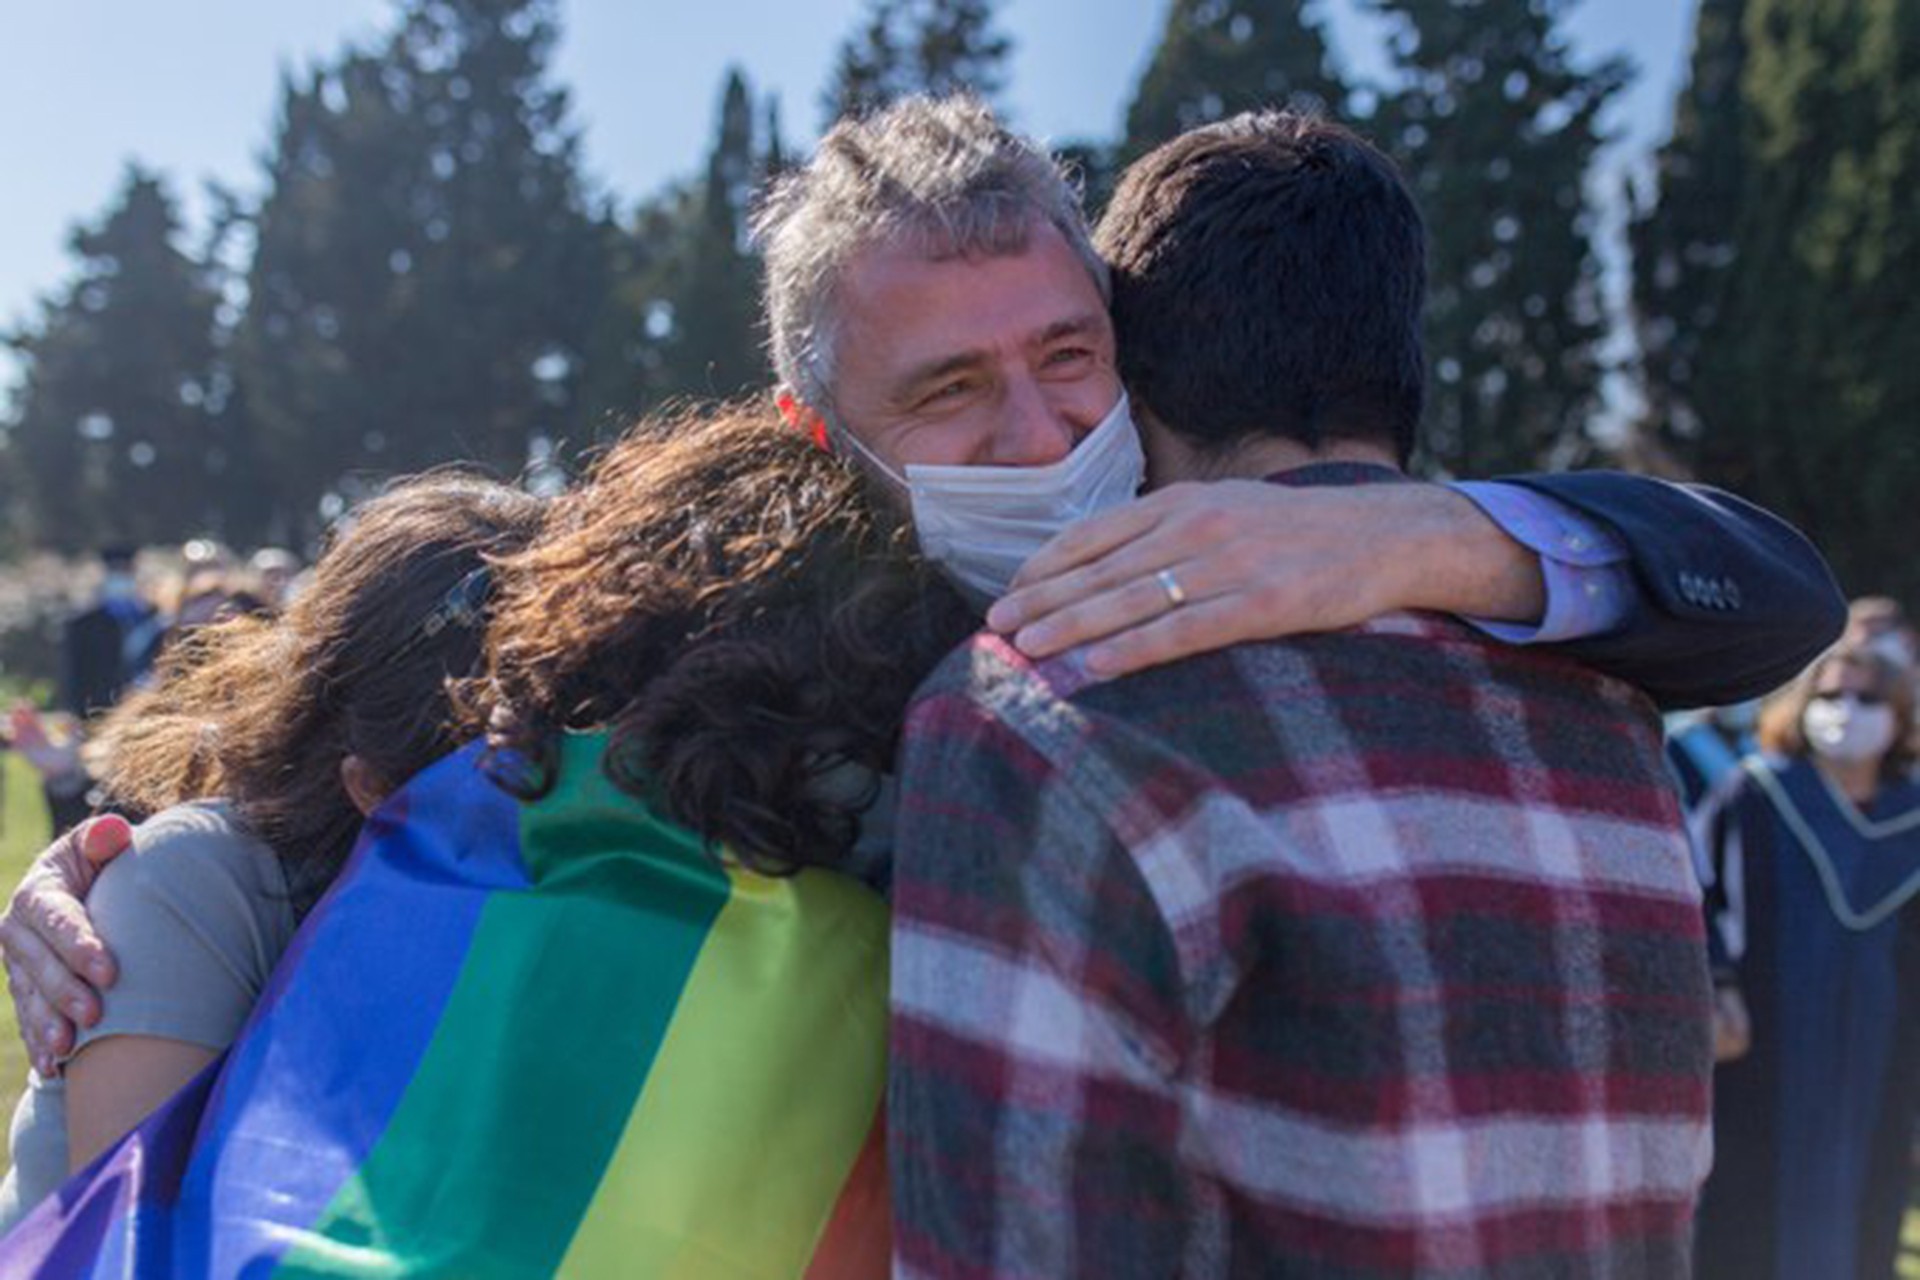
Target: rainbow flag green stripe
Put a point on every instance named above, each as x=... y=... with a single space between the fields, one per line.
x=639 y=1062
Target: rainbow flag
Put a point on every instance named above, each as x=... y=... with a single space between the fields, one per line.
x=523 y=1040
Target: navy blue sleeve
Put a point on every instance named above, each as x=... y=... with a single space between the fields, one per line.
x=1733 y=601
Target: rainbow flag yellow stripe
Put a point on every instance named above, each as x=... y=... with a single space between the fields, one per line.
x=522 y=1040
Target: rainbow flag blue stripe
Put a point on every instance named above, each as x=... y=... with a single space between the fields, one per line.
x=523 y=1040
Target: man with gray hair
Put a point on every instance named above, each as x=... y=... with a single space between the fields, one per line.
x=1369 y=953
x=936 y=307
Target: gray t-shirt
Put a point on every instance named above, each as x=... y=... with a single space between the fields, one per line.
x=197 y=913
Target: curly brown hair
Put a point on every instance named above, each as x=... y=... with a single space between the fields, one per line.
x=741 y=614
x=261 y=711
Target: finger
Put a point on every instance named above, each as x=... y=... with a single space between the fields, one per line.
x=38 y=967
x=1138 y=600
x=46 y=1034
x=1171 y=544
x=61 y=922
x=1179 y=633
x=1080 y=544
x=104 y=838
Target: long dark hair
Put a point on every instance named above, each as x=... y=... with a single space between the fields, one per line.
x=740 y=614
x=262 y=711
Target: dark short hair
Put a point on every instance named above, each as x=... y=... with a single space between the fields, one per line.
x=1268 y=277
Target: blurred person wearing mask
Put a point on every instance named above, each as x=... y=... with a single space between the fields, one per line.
x=1880 y=623
x=1813 y=858
x=109 y=644
x=104 y=648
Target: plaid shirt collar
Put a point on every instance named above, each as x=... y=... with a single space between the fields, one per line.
x=1326 y=475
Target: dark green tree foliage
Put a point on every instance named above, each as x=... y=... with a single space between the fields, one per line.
x=117 y=427
x=1497 y=130
x=1217 y=58
x=429 y=277
x=692 y=277
x=918 y=46
x=1683 y=245
x=1808 y=379
x=716 y=306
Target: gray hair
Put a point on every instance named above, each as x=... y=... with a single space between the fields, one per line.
x=939 y=172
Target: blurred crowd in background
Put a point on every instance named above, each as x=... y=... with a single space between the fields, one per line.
x=138 y=603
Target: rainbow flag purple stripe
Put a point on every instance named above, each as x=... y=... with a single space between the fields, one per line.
x=523 y=1040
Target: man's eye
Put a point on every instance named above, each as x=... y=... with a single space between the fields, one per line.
x=1063 y=357
x=947 y=391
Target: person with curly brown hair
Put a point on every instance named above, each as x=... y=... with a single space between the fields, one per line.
x=741 y=615
x=693 y=679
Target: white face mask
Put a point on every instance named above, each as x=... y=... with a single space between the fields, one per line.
x=981 y=524
x=1845 y=730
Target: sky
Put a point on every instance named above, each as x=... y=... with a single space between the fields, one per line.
x=190 y=89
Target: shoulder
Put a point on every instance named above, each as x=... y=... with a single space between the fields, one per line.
x=199 y=862
x=987 y=680
x=984 y=670
x=194 y=843
x=197 y=914
x=1902 y=797
x=1004 y=742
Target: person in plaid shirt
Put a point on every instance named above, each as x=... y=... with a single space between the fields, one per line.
x=1373 y=953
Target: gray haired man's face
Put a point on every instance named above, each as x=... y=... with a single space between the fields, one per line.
x=1004 y=360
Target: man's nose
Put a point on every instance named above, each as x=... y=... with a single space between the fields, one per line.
x=1033 y=430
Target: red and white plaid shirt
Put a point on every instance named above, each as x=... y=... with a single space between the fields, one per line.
x=1372 y=954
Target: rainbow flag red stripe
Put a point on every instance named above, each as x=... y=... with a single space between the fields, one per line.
x=558 y=1038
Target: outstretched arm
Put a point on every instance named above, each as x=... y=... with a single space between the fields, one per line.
x=1723 y=600
x=1258 y=561
x=1731 y=601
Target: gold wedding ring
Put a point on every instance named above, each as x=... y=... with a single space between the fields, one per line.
x=1171 y=585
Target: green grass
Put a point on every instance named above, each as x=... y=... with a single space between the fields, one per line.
x=23 y=833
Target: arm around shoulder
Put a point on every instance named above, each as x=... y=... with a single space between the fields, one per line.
x=191 y=915
x=1732 y=602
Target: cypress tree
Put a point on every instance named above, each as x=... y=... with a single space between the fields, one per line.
x=1497 y=130
x=917 y=46
x=1683 y=241
x=118 y=430
x=716 y=348
x=1217 y=58
x=430 y=274
x=1806 y=382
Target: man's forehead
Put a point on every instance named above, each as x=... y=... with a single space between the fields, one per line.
x=902 y=280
